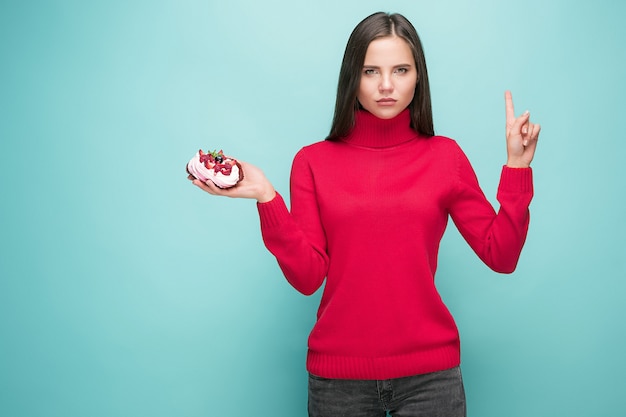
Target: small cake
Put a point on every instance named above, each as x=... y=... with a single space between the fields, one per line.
x=224 y=171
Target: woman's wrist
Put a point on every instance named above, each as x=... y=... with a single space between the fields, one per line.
x=516 y=164
x=266 y=195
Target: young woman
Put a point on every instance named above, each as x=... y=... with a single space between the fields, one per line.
x=369 y=206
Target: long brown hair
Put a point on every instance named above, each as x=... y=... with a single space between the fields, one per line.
x=375 y=26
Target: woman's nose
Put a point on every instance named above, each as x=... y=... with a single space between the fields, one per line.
x=385 y=84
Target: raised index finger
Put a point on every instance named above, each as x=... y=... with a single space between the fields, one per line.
x=510 y=110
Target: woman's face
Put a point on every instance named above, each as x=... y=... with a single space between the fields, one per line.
x=389 y=77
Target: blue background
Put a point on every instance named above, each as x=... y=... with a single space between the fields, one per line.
x=125 y=291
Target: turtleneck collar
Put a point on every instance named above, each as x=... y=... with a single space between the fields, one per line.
x=372 y=132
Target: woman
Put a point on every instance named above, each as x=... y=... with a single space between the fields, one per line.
x=369 y=206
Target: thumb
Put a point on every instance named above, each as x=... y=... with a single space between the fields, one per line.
x=519 y=123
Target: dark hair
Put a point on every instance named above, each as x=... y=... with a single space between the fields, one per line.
x=375 y=26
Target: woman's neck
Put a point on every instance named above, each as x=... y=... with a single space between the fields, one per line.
x=372 y=132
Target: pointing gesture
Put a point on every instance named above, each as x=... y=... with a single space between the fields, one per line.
x=521 y=136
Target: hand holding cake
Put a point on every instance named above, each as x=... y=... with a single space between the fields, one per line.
x=218 y=174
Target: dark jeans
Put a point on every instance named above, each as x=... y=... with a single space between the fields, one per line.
x=438 y=394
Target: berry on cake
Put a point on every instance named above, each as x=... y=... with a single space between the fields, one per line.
x=224 y=171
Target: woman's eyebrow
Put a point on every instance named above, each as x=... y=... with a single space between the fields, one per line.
x=378 y=67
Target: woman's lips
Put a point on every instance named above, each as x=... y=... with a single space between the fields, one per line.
x=386 y=102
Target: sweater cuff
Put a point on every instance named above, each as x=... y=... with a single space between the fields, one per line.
x=516 y=180
x=273 y=212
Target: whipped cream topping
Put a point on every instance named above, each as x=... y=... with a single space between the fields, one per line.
x=201 y=172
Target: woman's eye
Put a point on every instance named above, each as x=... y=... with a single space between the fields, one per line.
x=402 y=70
x=369 y=71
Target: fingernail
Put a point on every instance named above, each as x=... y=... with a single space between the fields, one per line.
x=526 y=112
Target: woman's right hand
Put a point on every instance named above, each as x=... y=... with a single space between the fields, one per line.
x=254 y=185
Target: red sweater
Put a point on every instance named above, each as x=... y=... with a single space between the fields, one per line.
x=368 y=214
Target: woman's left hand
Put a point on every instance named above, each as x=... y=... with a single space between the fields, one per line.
x=521 y=136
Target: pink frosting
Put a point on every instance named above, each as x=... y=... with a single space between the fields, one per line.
x=198 y=170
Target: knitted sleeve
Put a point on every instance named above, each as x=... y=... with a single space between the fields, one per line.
x=497 y=238
x=297 y=239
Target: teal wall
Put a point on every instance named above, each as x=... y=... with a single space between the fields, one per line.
x=125 y=291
